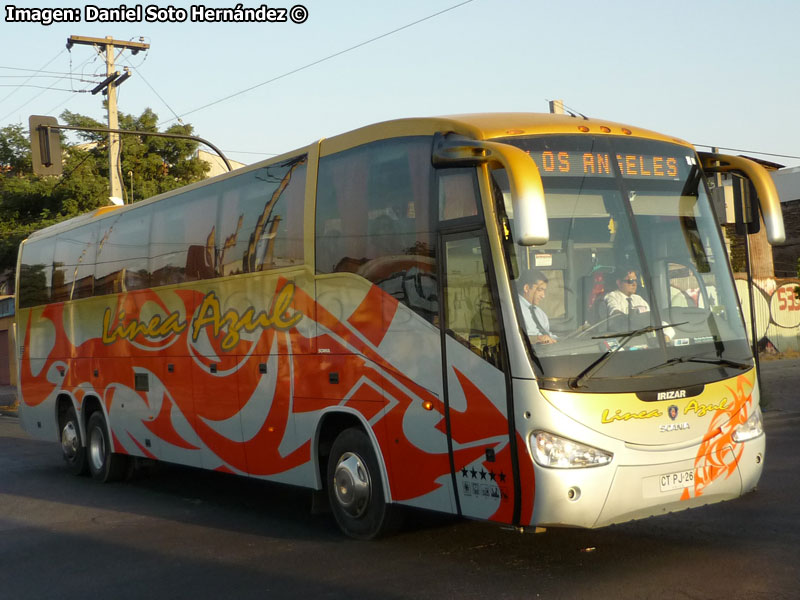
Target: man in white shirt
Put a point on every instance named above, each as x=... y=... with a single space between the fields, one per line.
x=624 y=300
x=531 y=293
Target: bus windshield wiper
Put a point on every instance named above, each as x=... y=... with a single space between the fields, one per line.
x=626 y=336
x=724 y=362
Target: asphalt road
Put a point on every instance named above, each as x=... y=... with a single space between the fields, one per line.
x=180 y=533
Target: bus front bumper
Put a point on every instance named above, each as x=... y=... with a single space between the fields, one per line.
x=615 y=493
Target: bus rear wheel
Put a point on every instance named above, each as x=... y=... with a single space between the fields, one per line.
x=355 y=490
x=72 y=448
x=104 y=465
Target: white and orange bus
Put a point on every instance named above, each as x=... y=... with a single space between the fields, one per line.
x=349 y=317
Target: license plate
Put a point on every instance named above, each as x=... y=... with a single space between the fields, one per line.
x=677 y=480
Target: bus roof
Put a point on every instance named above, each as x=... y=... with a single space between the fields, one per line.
x=487 y=126
x=483 y=126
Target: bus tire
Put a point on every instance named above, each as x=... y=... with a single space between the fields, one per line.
x=355 y=488
x=104 y=465
x=72 y=448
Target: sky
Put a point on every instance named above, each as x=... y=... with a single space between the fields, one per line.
x=711 y=72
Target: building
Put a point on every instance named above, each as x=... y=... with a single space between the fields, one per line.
x=785 y=257
x=8 y=364
x=216 y=164
x=776 y=307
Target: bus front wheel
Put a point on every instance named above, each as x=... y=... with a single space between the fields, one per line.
x=104 y=465
x=355 y=490
x=71 y=443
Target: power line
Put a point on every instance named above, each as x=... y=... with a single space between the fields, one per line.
x=13 y=92
x=60 y=104
x=322 y=60
x=248 y=152
x=50 y=87
x=34 y=70
x=749 y=151
x=65 y=76
x=155 y=92
x=71 y=90
x=32 y=98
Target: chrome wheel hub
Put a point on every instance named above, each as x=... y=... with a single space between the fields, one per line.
x=70 y=440
x=351 y=484
x=97 y=449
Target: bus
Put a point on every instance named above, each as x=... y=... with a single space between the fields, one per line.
x=349 y=317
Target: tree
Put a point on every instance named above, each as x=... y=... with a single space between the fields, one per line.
x=15 y=149
x=154 y=164
x=29 y=202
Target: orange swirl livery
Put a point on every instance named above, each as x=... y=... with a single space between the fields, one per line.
x=719 y=454
x=457 y=314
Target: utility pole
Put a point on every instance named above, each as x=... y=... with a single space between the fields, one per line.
x=113 y=79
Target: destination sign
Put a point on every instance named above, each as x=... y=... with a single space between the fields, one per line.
x=598 y=164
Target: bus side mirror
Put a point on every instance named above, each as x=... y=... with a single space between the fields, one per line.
x=45 y=145
x=527 y=194
x=767 y=195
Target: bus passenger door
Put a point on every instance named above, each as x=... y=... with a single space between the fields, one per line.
x=477 y=402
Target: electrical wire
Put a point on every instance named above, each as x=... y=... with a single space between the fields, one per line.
x=58 y=77
x=71 y=72
x=31 y=77
x=322 y=60
x=34 y=70
x=572 y=110
x=749 y=151
x=139 y=73
x=60 y=104
x=35 y=96
x=248 y=152
x=48 y=87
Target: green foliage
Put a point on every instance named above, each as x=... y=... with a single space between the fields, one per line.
x=29 y=202
x=15 y=149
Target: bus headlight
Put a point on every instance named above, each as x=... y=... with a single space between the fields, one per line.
x=550 y=450
x=752 y=428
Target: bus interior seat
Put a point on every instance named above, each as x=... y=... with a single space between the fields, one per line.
x=595 y=286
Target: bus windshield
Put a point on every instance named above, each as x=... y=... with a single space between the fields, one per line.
x=634 y=284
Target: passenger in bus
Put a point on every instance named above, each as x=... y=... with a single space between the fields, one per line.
x=533 y=290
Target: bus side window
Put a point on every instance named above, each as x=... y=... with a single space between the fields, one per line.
x=260 y=224
x=458 y=194
x=374 y=219
x=341 y=220
x=36 y=273
x=73 y=266
x=470 y=315
x=122 y=253
x=181 y=223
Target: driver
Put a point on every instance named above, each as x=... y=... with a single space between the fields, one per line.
x=537 y=324
x=624 y=300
